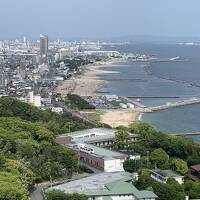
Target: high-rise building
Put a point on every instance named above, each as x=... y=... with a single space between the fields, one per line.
x=43 y=45
x=3 y=80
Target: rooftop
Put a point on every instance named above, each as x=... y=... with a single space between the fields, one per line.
x=92 y=183
x=103 y=152
x=168 y=173
x=96 y=131
x=196 y=167
x=106 y=185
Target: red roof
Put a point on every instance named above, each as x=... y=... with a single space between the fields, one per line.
x=196 y=167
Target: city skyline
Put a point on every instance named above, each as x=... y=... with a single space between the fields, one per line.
x=99 y=19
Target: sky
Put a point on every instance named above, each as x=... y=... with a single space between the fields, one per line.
x=99 y=18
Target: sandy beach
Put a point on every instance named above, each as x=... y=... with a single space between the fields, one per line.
x=119 y=117
x=86 y=84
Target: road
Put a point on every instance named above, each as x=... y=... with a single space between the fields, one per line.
x=37 y=193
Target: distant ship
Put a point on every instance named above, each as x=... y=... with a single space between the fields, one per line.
x=175 y=58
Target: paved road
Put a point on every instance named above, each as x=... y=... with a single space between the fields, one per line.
x=37 y=194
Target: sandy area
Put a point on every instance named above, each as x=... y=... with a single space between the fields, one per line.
x=86 y=84
x=119 y=117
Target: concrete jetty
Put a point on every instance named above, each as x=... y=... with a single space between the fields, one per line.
x=173 y=105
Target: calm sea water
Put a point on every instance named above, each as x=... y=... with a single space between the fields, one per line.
x=177 y=78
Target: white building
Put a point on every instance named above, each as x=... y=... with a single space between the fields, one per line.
x=90 y=148
x=135 y=156
x=57 y=109
x=163 y=175
x=32 y=99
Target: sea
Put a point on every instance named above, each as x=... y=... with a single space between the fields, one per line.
x=174 y=80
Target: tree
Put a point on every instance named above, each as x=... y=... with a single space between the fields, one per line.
x=167 y=191
x=2 y=160
x=11 y=187
x=141 y=128
x=134 y=165
x=144 y=180
x=179 y=166
x=192 y=189
x=60 y=195
x=56 y=195
x=159 y=158
x=131 y=165
x=122 y=139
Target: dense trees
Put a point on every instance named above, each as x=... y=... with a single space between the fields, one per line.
x=122 y=138
x=171 y=190
x=163 y=151
x=180 y=166
x=192 y=189
x=60 y=195
x=28 y=152
x=175 y=146
x=35 y=144
x=134 y=165
x=159 y=158
x=58 y=124
x=76 y=102
x=11 y=187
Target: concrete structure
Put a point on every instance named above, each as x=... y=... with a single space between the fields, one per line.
x=106 y=186
x=135 y=156
x=43 y=45
x=100 y=158
x=90 y=148
x=3 y=79
x=57 y=109
x=35 y=100
x=163 y=175
x=103 y=53
x=101 y=137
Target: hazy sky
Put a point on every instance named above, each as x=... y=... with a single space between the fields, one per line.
x=99 y=18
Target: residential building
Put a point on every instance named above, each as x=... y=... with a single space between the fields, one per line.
x=106 y=186
x=163 y=175
x=35 y=100
x=90 y=148
x=101 y=137
x=195 y=172
x=100 y=158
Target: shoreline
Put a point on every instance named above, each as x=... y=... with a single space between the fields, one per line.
x=87 y=83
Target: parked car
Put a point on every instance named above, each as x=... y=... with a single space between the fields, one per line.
x=89 y=171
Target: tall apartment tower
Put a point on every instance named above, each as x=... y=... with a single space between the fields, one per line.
x=43 y=45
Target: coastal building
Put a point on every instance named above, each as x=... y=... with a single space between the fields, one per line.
x=92 y=147
x=163 y=175
x=106 y=186
x=103 y=53
x=101 y=137
x=195 y=172
x=99 y=158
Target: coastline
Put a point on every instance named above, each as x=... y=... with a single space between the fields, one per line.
x=88 y=84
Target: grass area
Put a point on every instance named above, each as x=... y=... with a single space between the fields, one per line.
x=94 y=116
